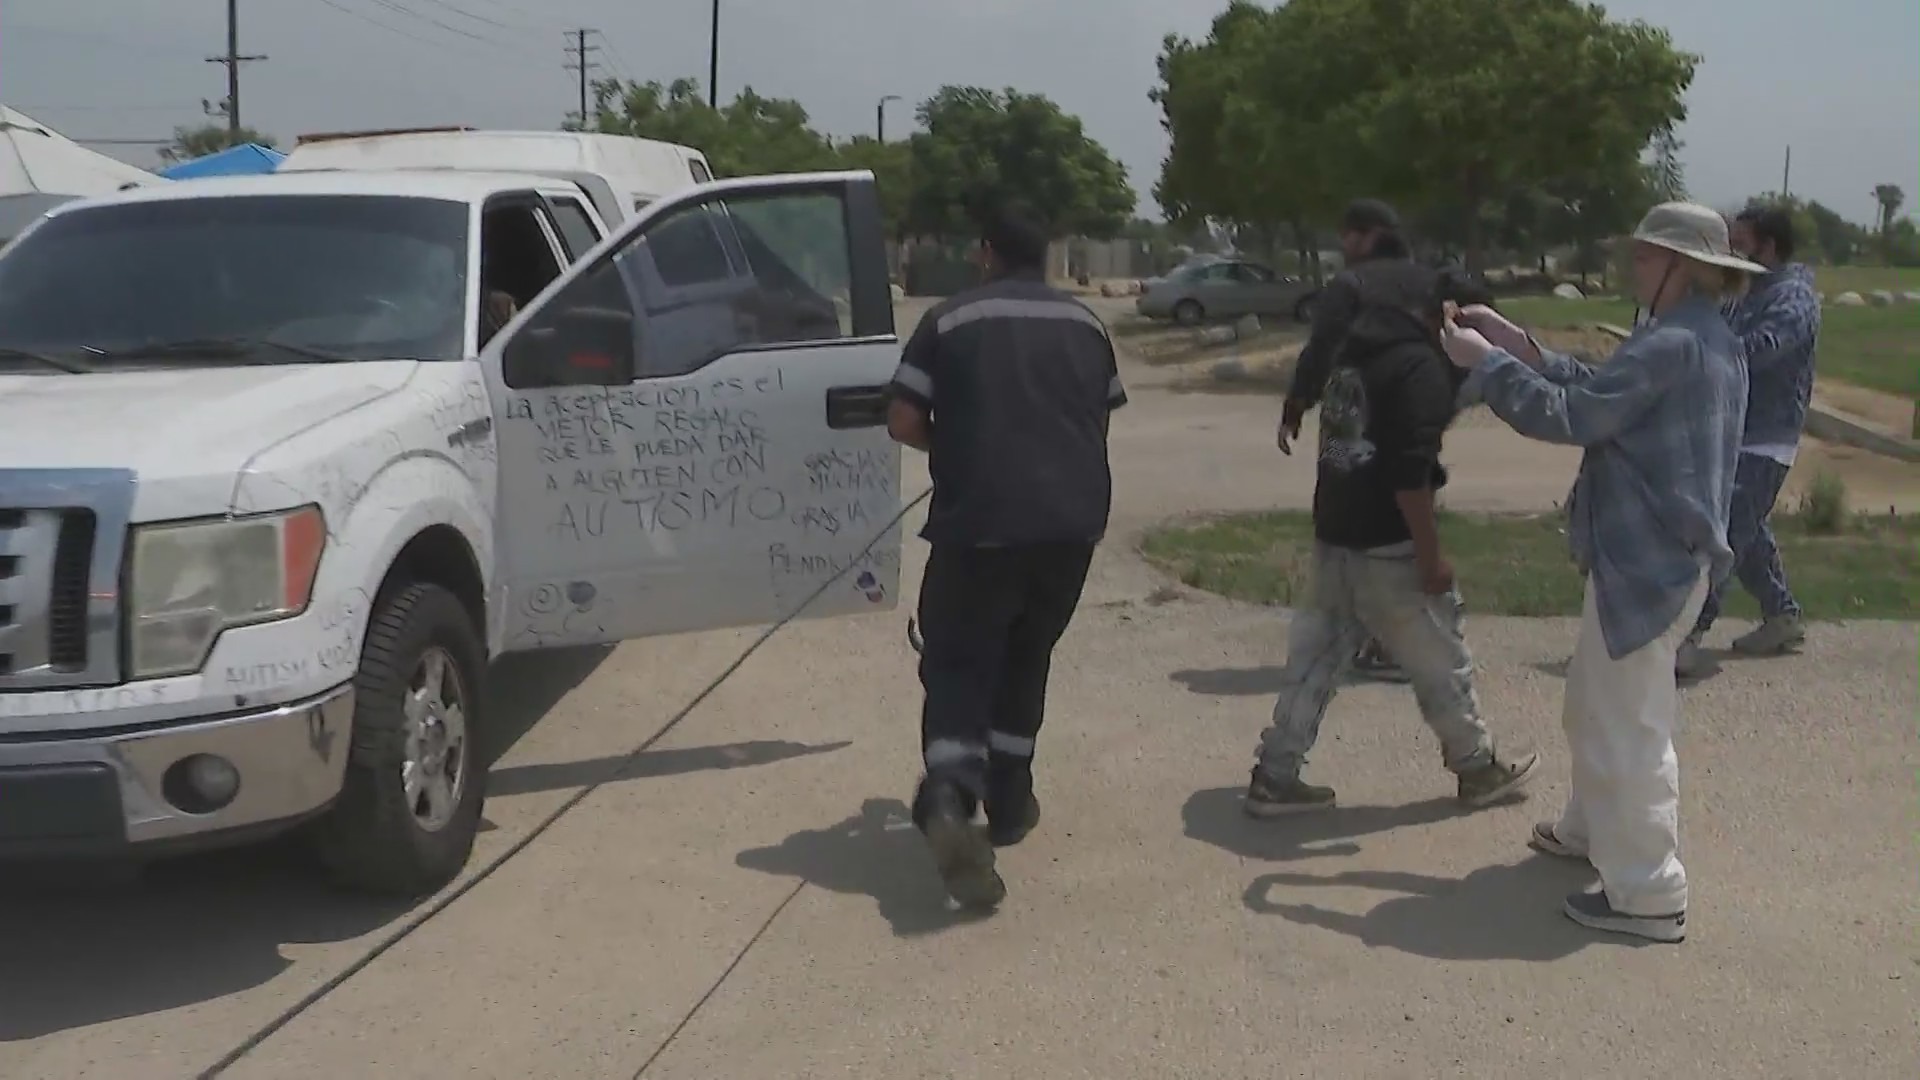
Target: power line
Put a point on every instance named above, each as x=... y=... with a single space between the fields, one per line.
x=581 y=52
x=388 y=27
x=401 y=9
x=475 y=16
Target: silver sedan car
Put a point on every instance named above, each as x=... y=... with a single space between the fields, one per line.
x=1225 y=290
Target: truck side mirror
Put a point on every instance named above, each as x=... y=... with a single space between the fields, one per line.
x=574 y=346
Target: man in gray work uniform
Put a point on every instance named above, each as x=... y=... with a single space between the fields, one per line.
x=1008 y=387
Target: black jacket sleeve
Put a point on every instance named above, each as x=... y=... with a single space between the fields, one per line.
x=1415 y=414
x=1333 y=313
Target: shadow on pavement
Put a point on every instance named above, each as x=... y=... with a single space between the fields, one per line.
x=876 y=852
x=1214 y=817
x=1495 y=913
x=86 y=945
x=189 y=930
x=524 y=687
x=1231 y=682
x=1260 y=681
x=523 y=779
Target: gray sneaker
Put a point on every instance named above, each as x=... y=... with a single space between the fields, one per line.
x=1276 y=796
x=1496 y=781
x=1688 y=661
x=1778 y=634
x=1591 y=909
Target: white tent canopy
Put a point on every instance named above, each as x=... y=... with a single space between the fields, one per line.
x=40 y=168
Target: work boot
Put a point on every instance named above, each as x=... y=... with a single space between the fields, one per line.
x=1008 y=823
x=1778 y=634
x=1592 y=909
x=1495 y=781
x=1688 y=661
x=1270 y=796
x=960 y=850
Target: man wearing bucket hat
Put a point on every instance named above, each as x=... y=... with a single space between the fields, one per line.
x=1661 y=424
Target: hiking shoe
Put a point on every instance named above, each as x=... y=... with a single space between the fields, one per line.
x=1273 y=796
x=1372 y=662
x=1778 y=634
x=1495 y=781
x=1544 y=840
x=1591 y=909
x=1688 y=661
x=1008 y=828
x=960 y=849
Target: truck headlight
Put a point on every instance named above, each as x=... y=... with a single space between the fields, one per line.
x=190 y=581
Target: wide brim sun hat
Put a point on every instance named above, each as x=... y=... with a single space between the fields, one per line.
x=1694 y=231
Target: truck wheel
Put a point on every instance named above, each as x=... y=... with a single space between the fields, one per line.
x=416 y=775
x=1189 y=313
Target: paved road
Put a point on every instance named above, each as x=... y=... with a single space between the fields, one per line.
x=747 y=900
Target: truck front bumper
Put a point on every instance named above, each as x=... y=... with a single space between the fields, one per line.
x=124 y=791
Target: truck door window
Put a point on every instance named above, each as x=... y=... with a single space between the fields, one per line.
x=575 y=226
x=517 y=261
x=699 y=170
x=692 y=306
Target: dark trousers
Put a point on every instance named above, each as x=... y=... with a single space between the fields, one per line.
x=1757 y=482
x=990 y=618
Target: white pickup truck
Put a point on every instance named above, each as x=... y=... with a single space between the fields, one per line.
x=286 y=461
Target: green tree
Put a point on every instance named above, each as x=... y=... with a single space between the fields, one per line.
x=1251 y=144
x=1889 y=198
x=750 y=136
x=891 y=164
x=1447 y=103
x=981 y=145
x=197 y=142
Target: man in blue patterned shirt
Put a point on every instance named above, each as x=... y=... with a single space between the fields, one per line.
x=1660 y=423
x=1778 y=323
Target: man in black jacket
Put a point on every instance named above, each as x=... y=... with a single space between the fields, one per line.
x=1378 y=569
x=1369 y=235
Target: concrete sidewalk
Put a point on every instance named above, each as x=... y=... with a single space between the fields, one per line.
x=748 y=901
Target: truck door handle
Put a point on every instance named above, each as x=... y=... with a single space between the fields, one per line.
x=856 y=407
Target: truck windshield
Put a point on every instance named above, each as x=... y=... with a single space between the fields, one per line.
x=263 y=279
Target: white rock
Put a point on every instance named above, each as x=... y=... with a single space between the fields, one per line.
x=1248 y=326
x=1881 y=298
x=1910 y=297
x=1566 y=290
x=1230 y=371
x=898 y=292
x=1849 y=299
x=1217 y=335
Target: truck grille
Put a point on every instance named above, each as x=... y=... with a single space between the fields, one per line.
x=61 y=535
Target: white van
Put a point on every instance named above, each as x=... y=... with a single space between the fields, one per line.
x=621 y=174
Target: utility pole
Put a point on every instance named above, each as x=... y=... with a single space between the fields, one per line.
x=880 y=118
x=1786 y=175
x=713 y=61
x=581 y=51
x=230 y=108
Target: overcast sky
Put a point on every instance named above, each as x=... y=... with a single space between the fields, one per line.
x=1846 y=96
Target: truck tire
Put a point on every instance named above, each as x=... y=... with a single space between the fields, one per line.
x=416 y=772
x=1189 y=313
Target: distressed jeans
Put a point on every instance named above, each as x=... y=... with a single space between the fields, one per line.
x=1355 y=594
x=1757 y=481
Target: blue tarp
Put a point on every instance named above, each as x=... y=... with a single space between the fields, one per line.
x=247 y=159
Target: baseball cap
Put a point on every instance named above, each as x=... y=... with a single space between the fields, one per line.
x=1365 y=215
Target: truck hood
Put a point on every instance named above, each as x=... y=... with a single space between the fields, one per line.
x=193 y=427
